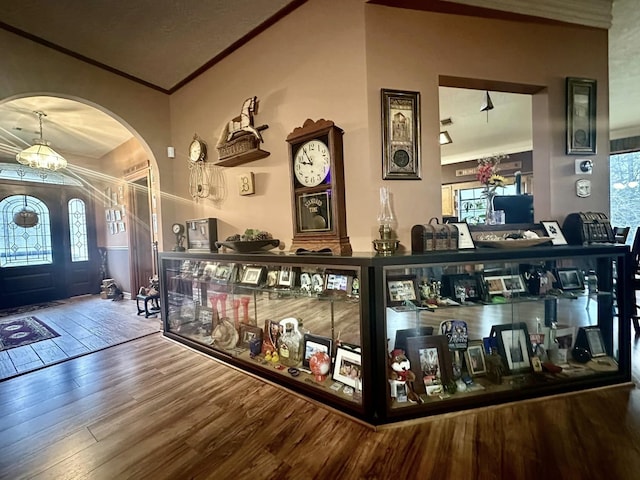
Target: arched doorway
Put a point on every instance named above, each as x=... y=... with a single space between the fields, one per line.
x=100 y=149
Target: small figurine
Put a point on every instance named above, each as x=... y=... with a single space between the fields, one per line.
x=400 y=375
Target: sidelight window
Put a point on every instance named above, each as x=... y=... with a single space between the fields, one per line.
x=78 y=230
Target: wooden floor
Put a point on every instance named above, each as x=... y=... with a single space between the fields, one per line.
x=151 y=408
x=85 y=324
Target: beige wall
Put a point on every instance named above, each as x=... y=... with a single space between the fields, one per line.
x=31 y=69
x=409 y=50
x=329 y=59
x=311 y=64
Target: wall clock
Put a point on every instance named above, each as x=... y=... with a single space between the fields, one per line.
x=317 y=188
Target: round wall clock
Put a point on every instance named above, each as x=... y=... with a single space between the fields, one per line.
x=317 y=188
x=197 y=150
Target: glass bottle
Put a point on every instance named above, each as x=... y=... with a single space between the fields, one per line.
x=290 y=343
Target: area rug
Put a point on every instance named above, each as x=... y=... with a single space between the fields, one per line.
x=5 y=312
x=23 y=331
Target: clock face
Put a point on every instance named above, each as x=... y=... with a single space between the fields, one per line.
x=197 y=151
x=312 y=163
x=177 y=228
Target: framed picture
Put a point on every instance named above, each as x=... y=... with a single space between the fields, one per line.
x=348 y=368
x=118 y=215
x=474 y=357
x=317 y=282
x=553 y=230
x=272 y=277
x=462 y=287
x=514 y=346
x=570 y=279
x=252 y=275
x=400 y=289
x=305 y=282
x=591 y=339
x=286 y=277
x=514 y=283
x=338 y=282
x=581 y=116
x=402 y=335
x=494 y=284
x=430 y=362
x=499 y=284
x=465 y=241
x=400 y=135
x=248 y=333
x=223 y=272
x=107 y=197
x=316 y=343
x=121 y=227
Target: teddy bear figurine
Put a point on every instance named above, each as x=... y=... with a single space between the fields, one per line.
x=401 y=377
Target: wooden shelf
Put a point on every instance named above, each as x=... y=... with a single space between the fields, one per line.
x=246 y=157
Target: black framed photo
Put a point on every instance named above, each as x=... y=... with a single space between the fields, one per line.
x=317 y=282
x=430 y=362
x=248 y=333
x=570 y=279
x=553 y=230
x=463 y=286
x=581 y=116
x=403 y=334
x=474 y=358
x=223 y=273
x=400 y=289
x=348 y=367
x=202 y=235
x=316 y=343
x=514 y=346
x=252 y=275
x=590 y=338
x=400 y=135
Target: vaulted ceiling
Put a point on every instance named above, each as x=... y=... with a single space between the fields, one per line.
x=164 y=44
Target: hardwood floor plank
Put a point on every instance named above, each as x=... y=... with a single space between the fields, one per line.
x=6 y=365
x=48 y=351
x=153 y=409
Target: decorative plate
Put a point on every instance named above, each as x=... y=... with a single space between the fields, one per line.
x=513 y=243
x=250 y=246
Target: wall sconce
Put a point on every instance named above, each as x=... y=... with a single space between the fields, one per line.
x=445 y=138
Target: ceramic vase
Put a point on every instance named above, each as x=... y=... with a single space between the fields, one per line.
x=319 y=364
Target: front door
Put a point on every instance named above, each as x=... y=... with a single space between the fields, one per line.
x=54 y=259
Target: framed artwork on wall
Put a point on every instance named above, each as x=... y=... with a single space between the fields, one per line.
x=581 y=116
x=400 y=135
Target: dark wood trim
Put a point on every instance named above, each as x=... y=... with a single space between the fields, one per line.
x=493 y=85
x=77 y=56
x=439 y=6
x=239 y=43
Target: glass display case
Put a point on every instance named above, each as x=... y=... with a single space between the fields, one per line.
x=293 y=320
x=392 y=338
x=495 y=325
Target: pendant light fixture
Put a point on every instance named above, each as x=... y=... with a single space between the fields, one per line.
x=26 y=217
x=487 y=105
x=40 y=155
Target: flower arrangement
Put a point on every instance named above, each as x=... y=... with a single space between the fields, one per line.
x=488 y=176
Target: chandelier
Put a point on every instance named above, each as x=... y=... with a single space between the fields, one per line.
x=40 y=155
x=26 y=217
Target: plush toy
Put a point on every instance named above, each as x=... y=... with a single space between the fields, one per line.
x=400 y=375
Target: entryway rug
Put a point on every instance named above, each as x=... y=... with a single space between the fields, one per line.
x=5 y=312
x=23 y=331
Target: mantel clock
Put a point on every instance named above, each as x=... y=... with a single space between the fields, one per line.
x=317 y=188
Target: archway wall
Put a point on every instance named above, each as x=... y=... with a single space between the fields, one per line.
x=32 y=69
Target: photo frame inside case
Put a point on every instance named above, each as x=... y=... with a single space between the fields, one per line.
x=514 y=346
x=313 y=344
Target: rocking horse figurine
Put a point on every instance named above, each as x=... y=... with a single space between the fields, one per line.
x=240 y=139
x=243 y=124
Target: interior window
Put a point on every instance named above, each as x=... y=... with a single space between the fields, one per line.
x=78 y=231
x=473 y=206
x=22 y=245
x=624 y=169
